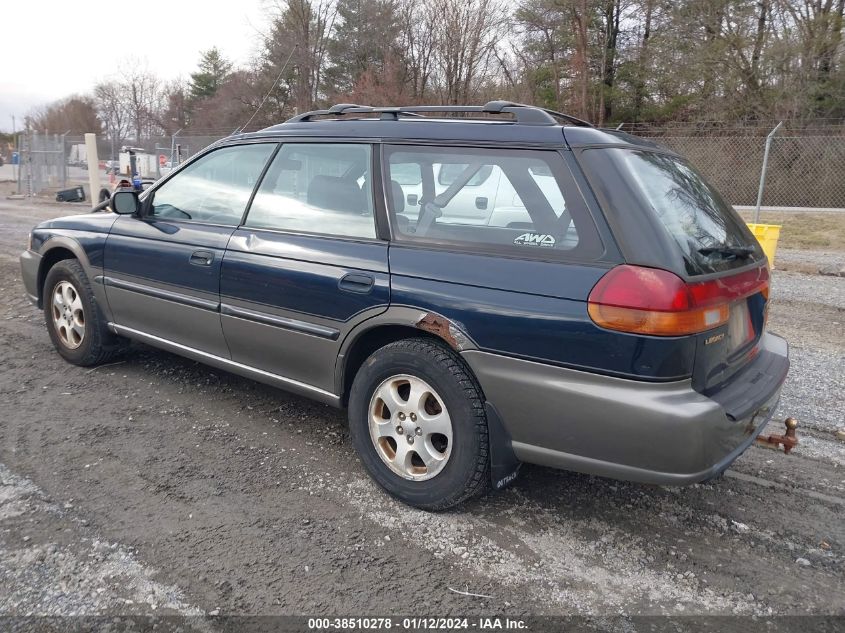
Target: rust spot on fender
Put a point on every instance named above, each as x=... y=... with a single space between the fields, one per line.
x=444 y=329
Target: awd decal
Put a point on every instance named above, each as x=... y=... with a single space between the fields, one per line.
x=535 y=239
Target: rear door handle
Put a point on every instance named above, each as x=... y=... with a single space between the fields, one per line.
x=202 y=258
x=357 y=282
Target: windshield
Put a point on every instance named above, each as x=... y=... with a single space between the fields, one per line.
x=709 y=233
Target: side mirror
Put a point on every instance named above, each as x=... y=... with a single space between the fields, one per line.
x=125 y=202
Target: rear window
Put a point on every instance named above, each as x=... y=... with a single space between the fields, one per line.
x=518 y=201
x=709 y=233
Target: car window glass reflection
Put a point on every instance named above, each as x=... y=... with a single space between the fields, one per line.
x=214 y=189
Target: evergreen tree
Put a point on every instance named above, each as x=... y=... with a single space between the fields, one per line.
x=213 y=71
x=365 y=34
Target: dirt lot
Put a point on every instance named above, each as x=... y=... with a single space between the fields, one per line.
x=159 y=485
x=818 y=231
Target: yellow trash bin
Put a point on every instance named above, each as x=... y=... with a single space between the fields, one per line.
x=767 y=235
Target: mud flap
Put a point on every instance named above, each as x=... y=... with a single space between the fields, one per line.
x=504 y=466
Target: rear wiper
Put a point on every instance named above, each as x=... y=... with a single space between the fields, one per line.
x=738 y=252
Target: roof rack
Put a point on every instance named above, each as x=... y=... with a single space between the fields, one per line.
x=524 y=114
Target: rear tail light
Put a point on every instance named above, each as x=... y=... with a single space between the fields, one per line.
x=653 y=301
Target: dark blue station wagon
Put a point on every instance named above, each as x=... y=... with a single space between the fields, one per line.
x=480 y=286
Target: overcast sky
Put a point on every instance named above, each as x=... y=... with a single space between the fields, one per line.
x=50 y=49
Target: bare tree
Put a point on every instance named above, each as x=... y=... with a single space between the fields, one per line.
x=301 y=30
x=611 y=15
x=604 y=60
x=76 y=115
x=111 y=108
x=465 y=36
x=642 y=60
x=580 y=59
x=142 y=94
x=417 y=45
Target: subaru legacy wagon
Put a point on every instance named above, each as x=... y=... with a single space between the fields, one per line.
x=480 y=286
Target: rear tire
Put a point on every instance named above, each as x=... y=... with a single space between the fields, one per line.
x=417 y=420
x=75 y=324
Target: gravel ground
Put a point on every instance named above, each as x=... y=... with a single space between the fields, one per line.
x=172 y=485
x=52 y=564
x=809 y=289
x=812 y=260
x=809 y=310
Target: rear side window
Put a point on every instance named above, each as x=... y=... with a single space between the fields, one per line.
x=317 y=188
x=518 y=201
x=449 y=172
x=709 y=233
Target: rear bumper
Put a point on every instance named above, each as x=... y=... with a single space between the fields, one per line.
x=30 y=262
x=659 y=433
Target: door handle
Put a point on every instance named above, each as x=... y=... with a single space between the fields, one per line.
x=202 y=258
x=357 y=282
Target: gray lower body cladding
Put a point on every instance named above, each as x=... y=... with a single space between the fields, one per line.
x=661 y=433
x=30 y=261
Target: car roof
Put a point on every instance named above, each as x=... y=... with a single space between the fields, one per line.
x=429 y=129
x=527 y=125
x=451 y=130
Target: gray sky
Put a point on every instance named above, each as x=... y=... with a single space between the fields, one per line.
x=53 y=48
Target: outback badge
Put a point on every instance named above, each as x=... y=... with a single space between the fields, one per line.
x=535 y=239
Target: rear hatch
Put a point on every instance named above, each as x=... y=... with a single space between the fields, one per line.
x=666 y=216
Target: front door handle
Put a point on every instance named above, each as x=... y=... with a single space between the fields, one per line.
x=202 y=258
x=357 y=282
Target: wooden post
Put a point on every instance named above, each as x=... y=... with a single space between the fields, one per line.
x=93 y=168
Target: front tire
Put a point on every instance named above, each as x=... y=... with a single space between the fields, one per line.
x=417 y=420
x=74 y=322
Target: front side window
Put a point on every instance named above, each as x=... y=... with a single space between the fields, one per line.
x=317 y=188
x=214 y=188
x=518 y=200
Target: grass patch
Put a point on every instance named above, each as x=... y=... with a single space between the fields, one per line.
x=811 y=231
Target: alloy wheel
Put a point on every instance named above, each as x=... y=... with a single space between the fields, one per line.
x=68 y=314
x=410 y=427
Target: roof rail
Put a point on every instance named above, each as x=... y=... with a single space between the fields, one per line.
x=524 y=114
x=507 y=106
x=340 y=107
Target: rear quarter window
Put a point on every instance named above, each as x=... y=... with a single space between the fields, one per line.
x=519 y=202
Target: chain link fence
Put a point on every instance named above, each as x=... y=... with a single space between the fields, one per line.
x=41 y=162
x=50 y=162
x=178 y=148
x=806 y=167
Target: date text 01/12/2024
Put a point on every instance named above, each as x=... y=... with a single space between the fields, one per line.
x=416 y=624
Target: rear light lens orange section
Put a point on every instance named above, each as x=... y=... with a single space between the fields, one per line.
x=651 y=301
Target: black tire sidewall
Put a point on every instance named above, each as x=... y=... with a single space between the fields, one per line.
x=89 y=350
x=455 y=481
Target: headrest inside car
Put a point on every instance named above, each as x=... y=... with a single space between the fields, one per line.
x=335 y=193
x=398 y=197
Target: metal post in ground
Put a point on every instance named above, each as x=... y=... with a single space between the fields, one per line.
x=763 y=172
x=174 y=160
x=64 y=159
x=55 y=167
x=31 y=143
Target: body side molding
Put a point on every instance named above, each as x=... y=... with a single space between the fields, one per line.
x=277 y=321
x=159 y=293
